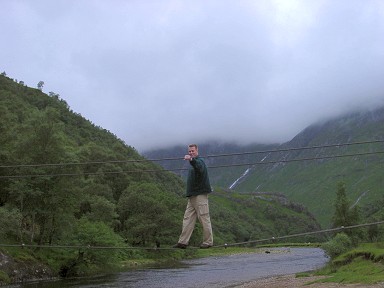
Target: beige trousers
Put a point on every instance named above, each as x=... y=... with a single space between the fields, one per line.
x=197 y=207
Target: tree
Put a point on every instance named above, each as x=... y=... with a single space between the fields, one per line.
x=146 y=215
x=91 y=234
x=9 y=223
x=344 y=215
x=45 y=202
x=100 y=210
x=40 y=85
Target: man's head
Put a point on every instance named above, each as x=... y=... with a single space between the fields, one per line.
x=193 y=150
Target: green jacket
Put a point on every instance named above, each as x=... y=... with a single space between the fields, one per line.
x=198 y=180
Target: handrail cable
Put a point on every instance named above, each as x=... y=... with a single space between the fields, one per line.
x=180 y=158
x=184 y=169
x=342 y=228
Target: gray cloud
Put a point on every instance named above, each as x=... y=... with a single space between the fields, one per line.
x=159 y=73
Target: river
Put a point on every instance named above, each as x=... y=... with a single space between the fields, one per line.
x=213 y=272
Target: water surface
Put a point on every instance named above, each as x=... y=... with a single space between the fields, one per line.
x=213 y=272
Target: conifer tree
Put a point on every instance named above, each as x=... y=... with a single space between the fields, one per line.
x=344 y=214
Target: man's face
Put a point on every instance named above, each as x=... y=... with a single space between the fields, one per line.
x=192 y=151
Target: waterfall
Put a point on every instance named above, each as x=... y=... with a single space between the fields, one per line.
x=238 y=179
x=245 y=174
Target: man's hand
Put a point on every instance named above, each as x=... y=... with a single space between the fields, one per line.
x=188 y=157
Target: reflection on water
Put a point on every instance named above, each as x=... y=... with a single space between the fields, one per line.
x=210 y=272
x=123 y=279
x=78 y=282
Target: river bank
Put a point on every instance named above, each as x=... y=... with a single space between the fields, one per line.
x=214 y=271
x=14 y=271
x=291 y=281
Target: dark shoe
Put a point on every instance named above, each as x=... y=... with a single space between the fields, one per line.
x=205 y=246
x=180 y=246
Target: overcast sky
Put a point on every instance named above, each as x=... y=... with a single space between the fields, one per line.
x=168 y=72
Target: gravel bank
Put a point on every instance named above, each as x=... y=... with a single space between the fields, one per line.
x=288 y=281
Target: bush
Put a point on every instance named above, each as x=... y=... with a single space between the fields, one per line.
x=97 y=242
x=340 y=244
x=4 y=278
x=9 y=223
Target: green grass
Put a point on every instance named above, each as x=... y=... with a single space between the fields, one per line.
x=359 y=270
x=4 y=277
x=368 y=251
x=364 y=265
x=314 y=182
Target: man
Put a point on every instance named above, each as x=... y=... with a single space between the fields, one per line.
x=198 y=187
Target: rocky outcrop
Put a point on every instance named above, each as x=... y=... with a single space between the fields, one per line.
x=16 y=271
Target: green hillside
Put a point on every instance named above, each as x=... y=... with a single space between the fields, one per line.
x=67 y=182
x=313 y=183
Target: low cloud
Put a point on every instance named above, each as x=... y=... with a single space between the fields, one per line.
x=158 y=73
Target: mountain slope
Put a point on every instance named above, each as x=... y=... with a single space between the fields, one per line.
x=312 y=182
x=220 y=176
x=60 y=172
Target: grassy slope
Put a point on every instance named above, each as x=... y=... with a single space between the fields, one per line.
x=316 y=186
x=365 y=264
x=261 y=216
x=313 y=183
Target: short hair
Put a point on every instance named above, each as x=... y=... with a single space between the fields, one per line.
x=193 y=145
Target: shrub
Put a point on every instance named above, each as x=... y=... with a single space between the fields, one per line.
x=4 y=278
x=340 y=244
x=9 y=222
